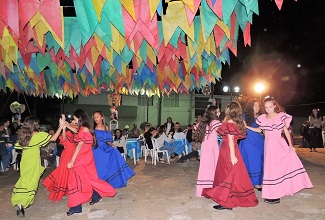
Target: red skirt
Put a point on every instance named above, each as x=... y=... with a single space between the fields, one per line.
x=232 y=186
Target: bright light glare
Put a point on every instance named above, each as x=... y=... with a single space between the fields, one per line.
x=226 y=89
x=298 y=65
x=236 y=89
x=259 y=87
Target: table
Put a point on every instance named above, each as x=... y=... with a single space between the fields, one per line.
x=133 y=143
x=179 y=145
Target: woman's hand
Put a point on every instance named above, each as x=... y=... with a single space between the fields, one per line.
x=234 y=160
x=70 y=165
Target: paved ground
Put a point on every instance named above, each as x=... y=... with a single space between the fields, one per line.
x=167 y=192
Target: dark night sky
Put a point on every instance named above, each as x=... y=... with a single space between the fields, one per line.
x=280 y=40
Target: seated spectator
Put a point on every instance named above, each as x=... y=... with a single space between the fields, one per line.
x=161 y=138
x=135 y=131
x=151 y=133
x=196 y=147
x=178 y=132
x=126 y=131
x=119 y=141
x=47 y=152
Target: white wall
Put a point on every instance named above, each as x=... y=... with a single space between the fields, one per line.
x=184 y=114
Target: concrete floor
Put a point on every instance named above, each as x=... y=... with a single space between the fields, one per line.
x=167 y=192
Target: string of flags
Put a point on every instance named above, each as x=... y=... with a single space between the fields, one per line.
x=125 y=46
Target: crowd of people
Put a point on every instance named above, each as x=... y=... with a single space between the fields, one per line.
x=264 y=159
x=240 y=150
x=91 y=165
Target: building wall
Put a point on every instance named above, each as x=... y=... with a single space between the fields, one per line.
x=184 y=113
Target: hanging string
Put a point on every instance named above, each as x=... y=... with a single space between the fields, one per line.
x=5 y=104
x=27 y=104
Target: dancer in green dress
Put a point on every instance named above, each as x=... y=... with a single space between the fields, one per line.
x=30 y=140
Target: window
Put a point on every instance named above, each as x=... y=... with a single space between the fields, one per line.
x=201 y=103
x=144 y=100
x=172 y=100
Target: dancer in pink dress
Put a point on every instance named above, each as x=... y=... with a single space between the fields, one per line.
x=207 y=134
x=284 y=173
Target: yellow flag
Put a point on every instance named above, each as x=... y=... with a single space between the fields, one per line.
x=98 y=5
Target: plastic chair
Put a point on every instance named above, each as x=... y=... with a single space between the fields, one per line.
x=57 y=159
x=146 y=151
x=156 y=151
x=133 y=152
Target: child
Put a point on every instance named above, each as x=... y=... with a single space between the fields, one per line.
x=284 y=173
x=110 y=165
x=252 y=147
x=30 y=139
x=207 y=135
x=57 y=181
x=83 y=182
x=232 y=186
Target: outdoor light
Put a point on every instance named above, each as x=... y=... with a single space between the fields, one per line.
x=231 y=89
x=236 y=89
x=226 y=89
x=259 y=88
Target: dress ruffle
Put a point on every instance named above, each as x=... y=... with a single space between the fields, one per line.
x=277 y=123
x=230 y=128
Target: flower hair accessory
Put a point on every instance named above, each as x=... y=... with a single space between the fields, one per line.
x=268 y=97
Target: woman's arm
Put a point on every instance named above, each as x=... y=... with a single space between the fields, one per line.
x=58 y=131
x=73 y=128
x=64 y=135
x=233 y=157
x=287 y=134
x=75 y=154
x=258 y=130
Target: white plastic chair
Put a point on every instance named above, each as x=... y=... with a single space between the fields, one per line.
x=156 y=151
x=124 y=156
x=133 y=152
x=57 y=159
x=146 y=150
x=46 y=164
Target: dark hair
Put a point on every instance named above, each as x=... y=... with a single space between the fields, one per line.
x=116 y=138
x=317 y=115
x=249 y=112
x=234 y=112
x=83 y=118
x=278 y=108
x=104 y=122
x=171 y=120
x=30 y=125
x=209 y=115
x=161 y=129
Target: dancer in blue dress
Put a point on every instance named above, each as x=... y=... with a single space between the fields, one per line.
x=110 y=165
x=252 y=148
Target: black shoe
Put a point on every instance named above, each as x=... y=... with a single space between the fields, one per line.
x=258 y=188
x=272 y=201
x=70 y=212
x=180 y=161
x=20 y=211
x=220 y=207
x=92 y=202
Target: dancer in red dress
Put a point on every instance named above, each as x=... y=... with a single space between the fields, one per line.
x=83 y=182
x=232 y=186
x=57 y=181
